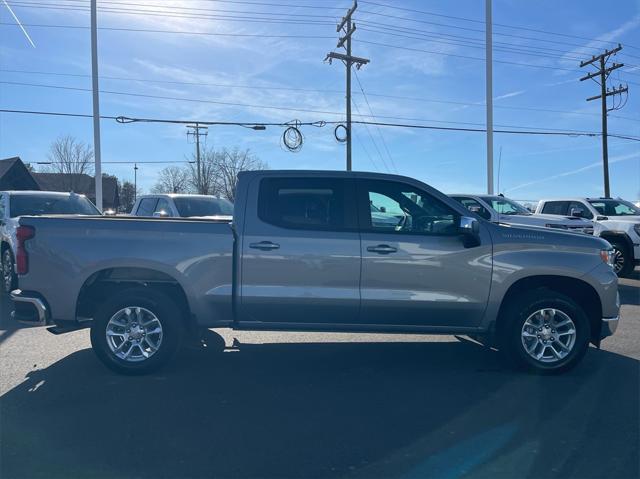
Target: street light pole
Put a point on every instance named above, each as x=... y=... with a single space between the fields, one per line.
x=489 y=93
x=96 y=104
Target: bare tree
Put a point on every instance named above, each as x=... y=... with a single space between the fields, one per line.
x=70 y=156
x=205 y=182
x=172 y=179
x=229 y=164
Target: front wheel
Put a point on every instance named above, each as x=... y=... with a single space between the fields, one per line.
x=545 y=331
x=622 y=259
x=137 y=331
x=9 y=278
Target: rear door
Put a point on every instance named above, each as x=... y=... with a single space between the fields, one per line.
x=300 y=250
x=417 y=270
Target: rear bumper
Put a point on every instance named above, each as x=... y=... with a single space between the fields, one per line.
x=30 y=309
x=609 y=326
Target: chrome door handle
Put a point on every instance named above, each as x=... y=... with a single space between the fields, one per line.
x=382 y=249
x=264 y=245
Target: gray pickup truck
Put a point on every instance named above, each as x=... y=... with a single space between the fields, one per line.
x=307 y=251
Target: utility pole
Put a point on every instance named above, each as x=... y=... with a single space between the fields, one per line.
x=194 y=130
x=348 y=28
x=96 y=104
x=489 y=92
x=603 y=72
x=135 y=182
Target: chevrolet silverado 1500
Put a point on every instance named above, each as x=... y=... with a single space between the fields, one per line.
x=318 y=251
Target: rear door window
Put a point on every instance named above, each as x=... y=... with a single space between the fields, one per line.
x=147 y=206
x=556 y=208
x=306 y=203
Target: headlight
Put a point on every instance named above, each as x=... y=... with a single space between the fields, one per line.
x=607 y=256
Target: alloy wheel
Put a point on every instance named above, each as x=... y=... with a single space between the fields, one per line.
x=134 y=334
x=548 y=335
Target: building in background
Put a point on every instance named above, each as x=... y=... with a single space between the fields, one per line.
x=14 y=175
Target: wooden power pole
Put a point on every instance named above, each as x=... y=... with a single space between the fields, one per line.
x=603 y=73
x=348 y=28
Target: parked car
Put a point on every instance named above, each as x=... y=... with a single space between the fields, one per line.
x=305 y=253
x=499 y=209
x=14 y=204
x=615 y=220
x=182 y=206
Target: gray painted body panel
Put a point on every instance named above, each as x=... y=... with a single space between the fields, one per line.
x=66 y=251
x=315 y=280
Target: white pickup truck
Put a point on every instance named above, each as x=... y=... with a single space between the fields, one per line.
x=174 y=205
x=499 y=209
x=615 y=220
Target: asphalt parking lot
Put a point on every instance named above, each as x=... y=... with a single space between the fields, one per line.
x=318 y=405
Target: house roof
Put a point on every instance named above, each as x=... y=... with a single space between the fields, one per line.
x=14 y=175
x=79 y=183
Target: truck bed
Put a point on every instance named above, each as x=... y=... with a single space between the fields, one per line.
x=67 y=251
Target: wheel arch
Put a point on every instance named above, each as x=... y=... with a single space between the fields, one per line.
x=578 y=290
x=107 y=282
x=619 y=236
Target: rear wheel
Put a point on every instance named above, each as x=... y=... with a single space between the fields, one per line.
x=622 y=259
x=137 y=332
x=9 y=278
x=544 y=331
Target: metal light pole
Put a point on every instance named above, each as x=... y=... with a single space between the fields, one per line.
x=96 y=104
x=489 y=94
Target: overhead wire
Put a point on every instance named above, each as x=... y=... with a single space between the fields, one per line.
x=571 y=133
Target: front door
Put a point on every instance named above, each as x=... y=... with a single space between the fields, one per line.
x=417 y=269
x=301 y=253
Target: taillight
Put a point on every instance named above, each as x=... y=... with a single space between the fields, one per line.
x=23 y=233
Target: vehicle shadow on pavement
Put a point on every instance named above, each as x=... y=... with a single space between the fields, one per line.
x=436 y=409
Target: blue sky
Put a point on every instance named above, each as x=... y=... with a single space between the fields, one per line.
x=266 y=64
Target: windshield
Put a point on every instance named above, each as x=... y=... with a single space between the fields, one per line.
x=36 y=205
x=198 y=206
x=507 y=207
x=615 y=208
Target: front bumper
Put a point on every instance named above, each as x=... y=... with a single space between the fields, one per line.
x=30 y=309
x=609 y=326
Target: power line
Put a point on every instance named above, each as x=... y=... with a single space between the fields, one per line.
x=246 y=105
x=384 y=143
x=147 y=30
x=503 y=25
x=571 y=133
x=313 y=90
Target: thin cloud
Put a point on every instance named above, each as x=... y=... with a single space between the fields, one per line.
x=597 y=164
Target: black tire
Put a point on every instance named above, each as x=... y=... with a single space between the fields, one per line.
x=10 y=280
x=159 y=305
x=520 y=309
x=622 y=250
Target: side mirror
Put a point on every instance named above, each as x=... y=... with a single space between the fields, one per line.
x=160 y=214
x=601 y=218
x=474 y=208
x=469 y=226
x=576 y=213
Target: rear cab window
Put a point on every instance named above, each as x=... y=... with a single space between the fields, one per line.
x=36 y=205
x=307 y=203
x=556 y=208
